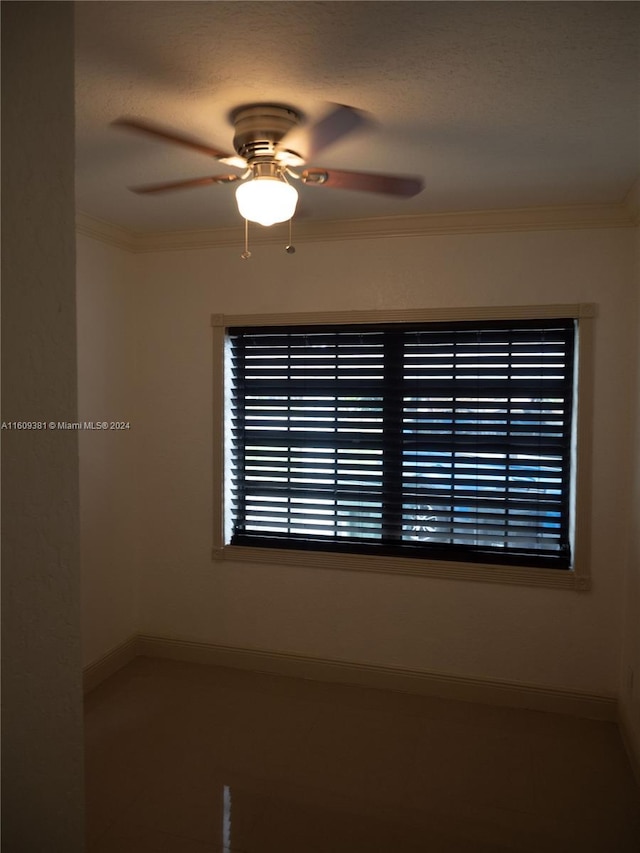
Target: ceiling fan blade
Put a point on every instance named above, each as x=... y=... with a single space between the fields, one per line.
x=151 y=129
x=183 y=185
x=365 y=181
x=339 y=122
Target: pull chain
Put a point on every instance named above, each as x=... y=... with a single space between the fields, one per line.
x=289 y=248
x=246 y=254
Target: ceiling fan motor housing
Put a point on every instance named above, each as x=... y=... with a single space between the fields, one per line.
x=259 y=128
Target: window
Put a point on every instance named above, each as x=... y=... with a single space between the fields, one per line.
x=440 y=441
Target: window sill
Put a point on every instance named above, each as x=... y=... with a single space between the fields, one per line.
x=481 y=572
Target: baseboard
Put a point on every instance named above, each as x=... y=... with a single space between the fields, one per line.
x=108 y=664
x=465 y=689
x=631 y=739
x=486 y=691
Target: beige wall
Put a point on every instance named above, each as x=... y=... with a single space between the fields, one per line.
x=41 y=671
x=106 y=369
x=556 y=638
x=630 y=675
x=153 y=487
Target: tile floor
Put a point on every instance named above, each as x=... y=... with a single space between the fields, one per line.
x=183 y=758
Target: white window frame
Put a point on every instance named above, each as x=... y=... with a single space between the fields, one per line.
x=577 y=578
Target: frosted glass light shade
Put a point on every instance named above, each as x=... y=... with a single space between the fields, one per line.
x=266 y=200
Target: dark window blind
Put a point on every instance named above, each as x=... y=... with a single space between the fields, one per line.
x=441 y=441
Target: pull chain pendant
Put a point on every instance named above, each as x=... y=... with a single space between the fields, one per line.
x=290 y=249
x=246 y=254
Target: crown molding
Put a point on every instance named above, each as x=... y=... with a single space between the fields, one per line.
x=622 y=215
x=105 y=232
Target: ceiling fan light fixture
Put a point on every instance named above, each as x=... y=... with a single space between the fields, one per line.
x=266 y=200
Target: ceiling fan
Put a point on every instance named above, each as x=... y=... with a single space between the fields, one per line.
x=271 y=144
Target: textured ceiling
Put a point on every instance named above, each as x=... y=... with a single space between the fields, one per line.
x=497 y=105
